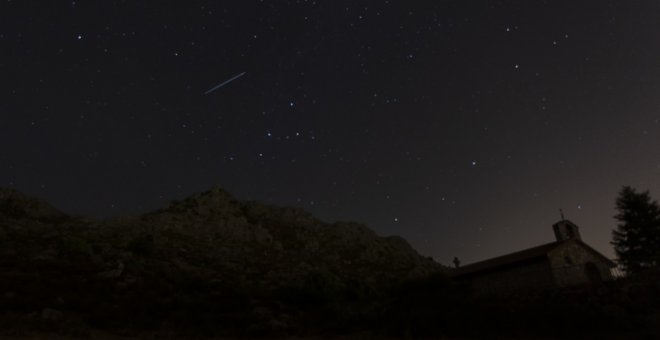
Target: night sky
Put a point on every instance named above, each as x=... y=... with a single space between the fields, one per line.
x=461 y=126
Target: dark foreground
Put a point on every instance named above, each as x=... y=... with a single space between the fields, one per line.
x=430 y=308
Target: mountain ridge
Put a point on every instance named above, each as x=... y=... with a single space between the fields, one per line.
x=220 y=257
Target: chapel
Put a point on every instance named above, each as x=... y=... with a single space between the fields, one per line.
x=568 y=261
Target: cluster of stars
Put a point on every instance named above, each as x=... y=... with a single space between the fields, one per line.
x=392 y=113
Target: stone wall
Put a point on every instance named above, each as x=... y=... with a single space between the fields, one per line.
x=569 y=265
x=518 y=279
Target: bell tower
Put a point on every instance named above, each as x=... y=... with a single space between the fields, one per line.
x=566 y=230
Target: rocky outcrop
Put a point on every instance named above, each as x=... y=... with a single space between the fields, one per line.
x=207 y=253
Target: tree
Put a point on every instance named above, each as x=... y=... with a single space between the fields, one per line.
x=637 y=237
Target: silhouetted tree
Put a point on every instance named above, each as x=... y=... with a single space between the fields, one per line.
x=637 y=237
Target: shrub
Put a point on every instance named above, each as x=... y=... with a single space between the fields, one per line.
x=142 y=245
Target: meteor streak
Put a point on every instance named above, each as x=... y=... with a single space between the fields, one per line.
x=224 y=83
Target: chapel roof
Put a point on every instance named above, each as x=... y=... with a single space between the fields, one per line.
x=526 y=256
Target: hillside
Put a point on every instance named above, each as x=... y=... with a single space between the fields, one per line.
x=212 y=266
x=209 y=263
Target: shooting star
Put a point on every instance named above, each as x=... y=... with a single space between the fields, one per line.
x=224 y=83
